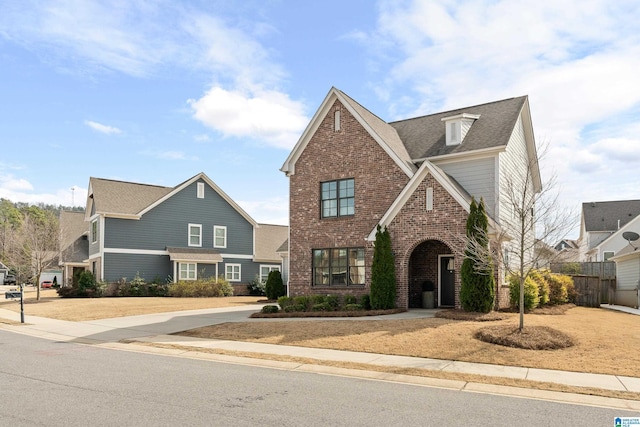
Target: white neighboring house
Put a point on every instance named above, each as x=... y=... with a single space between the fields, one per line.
x=50 y=275
x=602 y=226
x=628 y=275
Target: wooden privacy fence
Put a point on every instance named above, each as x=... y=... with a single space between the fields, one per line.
x=588 y=289
x=604 y=272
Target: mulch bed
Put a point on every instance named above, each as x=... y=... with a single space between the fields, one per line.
x=530 y=338
x=352 y=313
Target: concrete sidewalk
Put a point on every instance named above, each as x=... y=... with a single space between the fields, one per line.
x=155 y=328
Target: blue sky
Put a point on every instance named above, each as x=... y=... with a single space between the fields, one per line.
x=158 y=91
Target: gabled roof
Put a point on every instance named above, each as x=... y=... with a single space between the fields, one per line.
x=269 y=238
x=409 y=142
x=448 y=183
x=132 y=200
x=73 y=248
x=385 y=135
x=424 y=137
x=604 y=216
x=120 y=198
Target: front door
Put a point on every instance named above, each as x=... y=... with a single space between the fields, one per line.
x=447 y=282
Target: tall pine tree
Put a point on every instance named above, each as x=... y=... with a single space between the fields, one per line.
x=477 y=288
x=383 y=273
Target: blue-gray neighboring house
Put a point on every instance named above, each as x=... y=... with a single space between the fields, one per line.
x=187 y=232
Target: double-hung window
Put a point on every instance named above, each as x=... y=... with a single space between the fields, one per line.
x=265 y=270
x=338 y=267
x=233 y=272
x=219 y=236
x=195 y=235
x=338 y=198
x=187 y=271
x=94 y=231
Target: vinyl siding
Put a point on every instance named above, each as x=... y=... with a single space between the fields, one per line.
x=627 y=273
x=248 y=271
x=477 y=177
x=167 y=224
x=118 y=266
x=513 y=170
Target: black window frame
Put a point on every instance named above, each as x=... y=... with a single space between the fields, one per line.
x=342 y=195
x=335 y=270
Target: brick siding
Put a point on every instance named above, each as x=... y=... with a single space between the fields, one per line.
x=329 y=155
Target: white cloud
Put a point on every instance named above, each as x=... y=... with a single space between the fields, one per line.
x=9 y=183
x=576 y=60
x=267 y=211
x=108 y=130
x=268 y=116
x=21 y=190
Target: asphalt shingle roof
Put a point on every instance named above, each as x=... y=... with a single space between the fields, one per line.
x=269 y=239
x=424 y=137
x=604 y=216
x=72 y=227
x=119 y=197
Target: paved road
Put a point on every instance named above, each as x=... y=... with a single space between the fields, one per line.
x=67 y=384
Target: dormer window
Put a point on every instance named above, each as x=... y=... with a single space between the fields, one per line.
x=456 y=127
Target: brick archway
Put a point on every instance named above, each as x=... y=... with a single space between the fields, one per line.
x=424 y=271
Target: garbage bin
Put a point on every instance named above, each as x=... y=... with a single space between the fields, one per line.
x=428 y=299
x=428 y=294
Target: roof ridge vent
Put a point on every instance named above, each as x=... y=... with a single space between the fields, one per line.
x=457 y=126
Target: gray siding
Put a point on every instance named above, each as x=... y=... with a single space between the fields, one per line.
x=167 y=224
x=248 y=271
x=477 y=177
x=117 y=266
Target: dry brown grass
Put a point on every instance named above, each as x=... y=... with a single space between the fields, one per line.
x=606 y=342
x=80 y=309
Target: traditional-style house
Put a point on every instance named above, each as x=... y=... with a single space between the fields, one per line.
x=186 y=232
x=602 y=225
x=351 y=171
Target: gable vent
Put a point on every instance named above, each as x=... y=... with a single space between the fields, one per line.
x=456 y=127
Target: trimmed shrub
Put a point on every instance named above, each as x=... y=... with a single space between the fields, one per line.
x=257 y=287
x=323 y=306
x=302 y=300
x=318 y=299
x=86 y=287
x=383 y=272
x=274 y=288
x=365 y=301
x=333 y=302
x=543 y=286
x=531 y=299
x=295 y=308
x=558 y=293
x=211 y=287
x=270 y=309
x=352 y=307
x=285 y=302
x=350 y=299
x=477 y=291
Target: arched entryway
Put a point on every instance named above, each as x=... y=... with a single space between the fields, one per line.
x=431 y=268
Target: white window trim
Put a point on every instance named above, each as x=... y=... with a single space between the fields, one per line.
x=219 y=227
x=195 y=271
x=226 y=272
x=199 y=226
x=200 y=191
x=94 y=233
x=271 y=268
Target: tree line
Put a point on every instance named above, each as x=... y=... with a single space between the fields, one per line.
x=30 y=238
